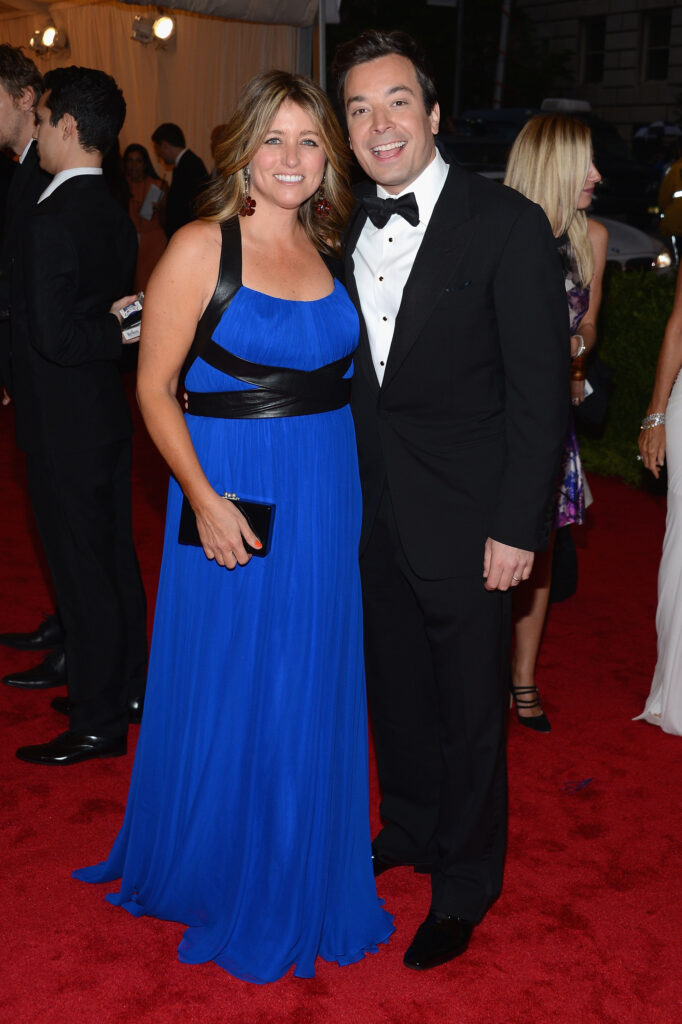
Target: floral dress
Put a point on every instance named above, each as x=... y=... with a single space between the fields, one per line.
x=570 y=493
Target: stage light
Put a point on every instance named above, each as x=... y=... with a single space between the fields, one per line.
x=36 y=43
x=164 y=27
x=48 y=38
x=143 y=29
x=158 y=30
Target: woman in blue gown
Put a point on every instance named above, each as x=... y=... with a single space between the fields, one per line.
x=247 y=816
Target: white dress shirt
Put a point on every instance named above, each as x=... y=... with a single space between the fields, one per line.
x=383 y=260
x=62 y=176
x=26 y=149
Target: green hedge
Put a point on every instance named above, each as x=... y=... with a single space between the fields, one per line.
x=635 y=309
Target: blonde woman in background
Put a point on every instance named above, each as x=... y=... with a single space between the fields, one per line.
x=551 y=163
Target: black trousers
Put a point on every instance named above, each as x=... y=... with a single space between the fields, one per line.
x=82 y=504
x=437 y=660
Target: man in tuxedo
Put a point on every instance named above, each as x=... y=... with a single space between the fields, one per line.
x=189 y=175
x=20 y=88
x=460 y=400
x=72 y=416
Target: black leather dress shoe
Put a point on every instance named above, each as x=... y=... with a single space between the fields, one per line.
x=71 y=747
x=381 y=864
x=438 y=939
x=48 y=634
x=135 y=708
x=51 y=672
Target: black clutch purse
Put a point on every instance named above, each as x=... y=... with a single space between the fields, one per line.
x=259 y=516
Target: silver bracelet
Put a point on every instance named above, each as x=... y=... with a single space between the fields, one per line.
x=656 y=419
x=582 y=348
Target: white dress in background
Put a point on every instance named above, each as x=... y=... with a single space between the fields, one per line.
x=664 y=704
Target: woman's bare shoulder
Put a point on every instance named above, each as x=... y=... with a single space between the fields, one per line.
x=188 y=269
x=198 y=237
x=597 y=232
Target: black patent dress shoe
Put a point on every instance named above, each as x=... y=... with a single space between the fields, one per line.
x=135 y=708
x=440 y=938
x=51 y=672
x=72 y=747
x=48 y=634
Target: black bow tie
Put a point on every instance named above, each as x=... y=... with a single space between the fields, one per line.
x=380 y=211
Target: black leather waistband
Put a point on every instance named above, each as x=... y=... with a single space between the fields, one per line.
x=279 y=392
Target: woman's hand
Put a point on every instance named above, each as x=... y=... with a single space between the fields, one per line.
x=652 y=448
x=223 y=531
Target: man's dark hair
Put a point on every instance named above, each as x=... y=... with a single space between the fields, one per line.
x=17 y=72
x=372 y=44
x=170 y=133
x=94 y=101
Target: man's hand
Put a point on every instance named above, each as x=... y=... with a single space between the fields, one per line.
x=577 y=392
x=120 y=304
x=5 y=400
x=505 y=567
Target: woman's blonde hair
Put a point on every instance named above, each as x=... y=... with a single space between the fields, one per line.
x=548 y=163
x=245 y=132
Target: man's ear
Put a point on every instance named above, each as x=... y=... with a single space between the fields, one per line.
x=69 y=126
x=434 y=118
x=27 y=99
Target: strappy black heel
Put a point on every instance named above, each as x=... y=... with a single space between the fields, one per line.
x=540 y=723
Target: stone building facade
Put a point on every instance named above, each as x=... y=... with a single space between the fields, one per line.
x=626 y=55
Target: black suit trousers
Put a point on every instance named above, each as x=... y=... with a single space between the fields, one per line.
x=437 y=656
x=81 y=501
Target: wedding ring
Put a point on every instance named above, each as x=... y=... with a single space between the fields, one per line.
x=638 y=457
x=516 y=579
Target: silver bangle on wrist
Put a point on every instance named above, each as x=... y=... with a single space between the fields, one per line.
x=582 y=348
x=656 y=419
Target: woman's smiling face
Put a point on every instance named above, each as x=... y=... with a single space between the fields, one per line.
x=288 y=166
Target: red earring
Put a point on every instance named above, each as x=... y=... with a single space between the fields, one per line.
x=248 y=204
x=322 y=206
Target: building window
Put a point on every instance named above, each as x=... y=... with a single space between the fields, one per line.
x=594 y=44
x=657 y=44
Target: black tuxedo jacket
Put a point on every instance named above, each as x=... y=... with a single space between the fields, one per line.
x=189 y=175
x=468 y=425
x=28 y=182
x=78 y=256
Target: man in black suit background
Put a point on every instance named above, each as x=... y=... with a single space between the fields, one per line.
x=72 y=416
x=189 y=175
x=20 y=88
x=460 y=399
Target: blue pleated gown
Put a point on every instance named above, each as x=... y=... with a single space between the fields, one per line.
x=247 y=816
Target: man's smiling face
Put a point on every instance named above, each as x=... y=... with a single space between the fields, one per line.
x=390 y=131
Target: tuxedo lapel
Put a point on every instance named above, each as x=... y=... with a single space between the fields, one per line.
x=446 y=240
x=363 y=355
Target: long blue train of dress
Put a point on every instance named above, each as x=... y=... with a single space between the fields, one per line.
x=247 y=816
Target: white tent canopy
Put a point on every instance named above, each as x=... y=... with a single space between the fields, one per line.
x=194 y=83
x=273 y=12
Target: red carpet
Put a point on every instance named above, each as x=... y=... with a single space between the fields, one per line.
x=588 y=929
